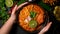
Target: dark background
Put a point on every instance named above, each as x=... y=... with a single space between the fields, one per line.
x=54 y=29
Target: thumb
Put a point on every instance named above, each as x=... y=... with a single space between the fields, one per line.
x=14 y=9
x=45 y=29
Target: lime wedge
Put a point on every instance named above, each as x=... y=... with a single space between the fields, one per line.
x=9 y=3
x=33 y=24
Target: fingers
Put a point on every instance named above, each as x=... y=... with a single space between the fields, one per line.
x=45 y=29
x=14 y=9
x=48 y=26
x=22 y=5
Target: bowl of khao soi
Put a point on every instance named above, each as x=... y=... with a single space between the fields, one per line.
x=32 y=18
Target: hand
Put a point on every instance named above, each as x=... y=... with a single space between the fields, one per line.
x=13 y=15
x=45 y=29
x=8 y=24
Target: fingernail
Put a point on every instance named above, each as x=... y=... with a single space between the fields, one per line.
x=50 y=22
x=26 y=2
x=16 y=5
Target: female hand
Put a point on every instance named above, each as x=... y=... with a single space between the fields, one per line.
x=13 y=14
x=8 y=24
x=45 y=29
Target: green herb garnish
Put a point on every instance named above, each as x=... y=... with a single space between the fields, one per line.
x=32 y=14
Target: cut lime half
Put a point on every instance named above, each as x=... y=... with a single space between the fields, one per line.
x=9 y=3
x=33 y=24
